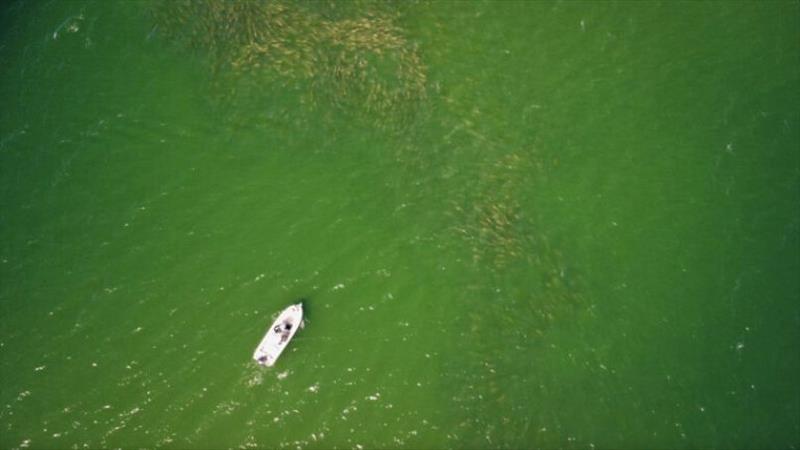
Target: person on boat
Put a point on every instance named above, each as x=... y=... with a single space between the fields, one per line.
x=286 y=326
x=287 y=330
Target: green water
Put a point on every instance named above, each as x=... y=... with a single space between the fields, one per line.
x=581 y=233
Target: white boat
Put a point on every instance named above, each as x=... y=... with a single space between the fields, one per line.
x=279 y=335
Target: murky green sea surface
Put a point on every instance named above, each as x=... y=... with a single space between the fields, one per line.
x=515 y=224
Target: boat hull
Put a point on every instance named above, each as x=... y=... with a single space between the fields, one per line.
x=279 y=334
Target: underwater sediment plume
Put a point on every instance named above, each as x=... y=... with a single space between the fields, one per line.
x=358 y=60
